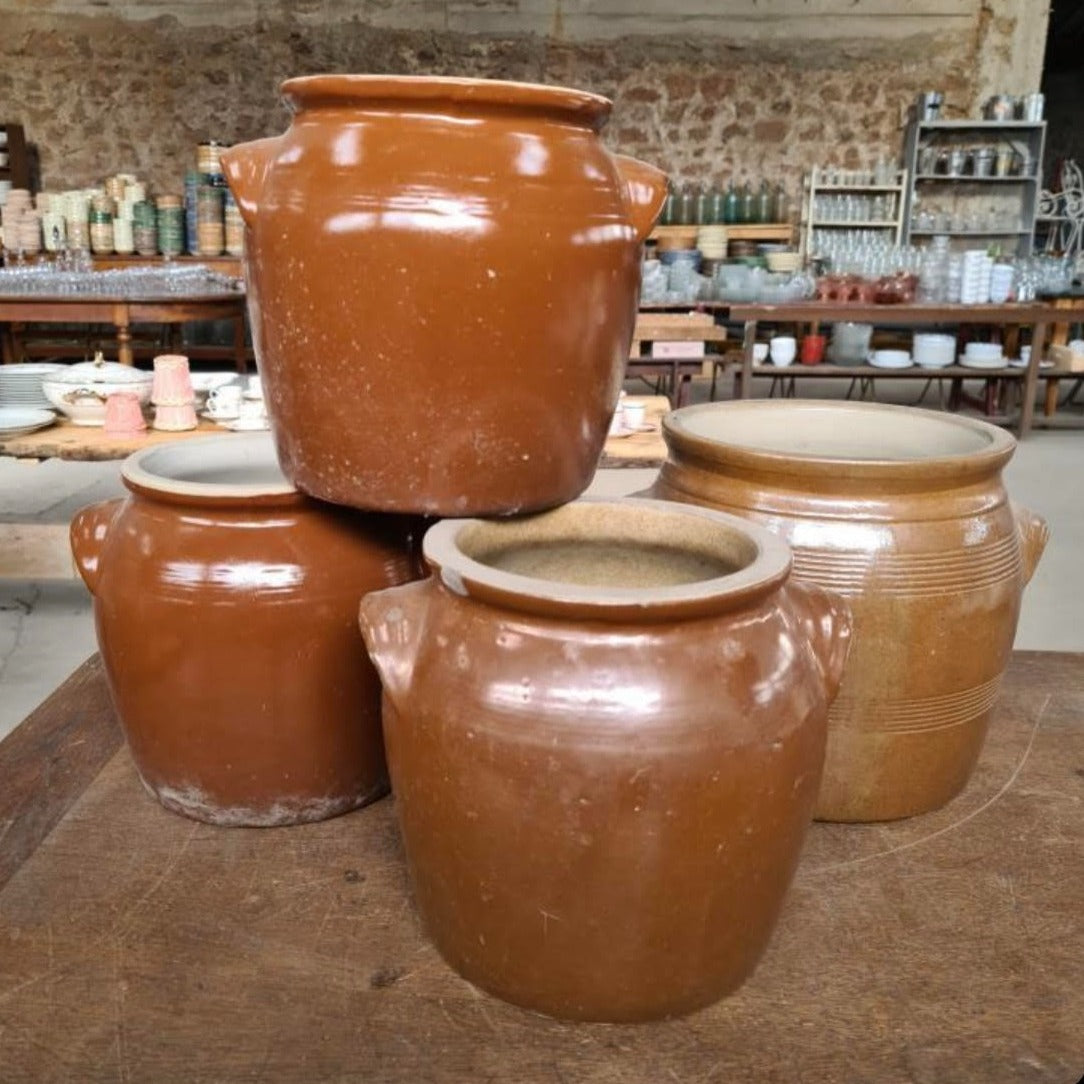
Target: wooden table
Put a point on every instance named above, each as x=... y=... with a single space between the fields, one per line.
x=138 y=946
x=122 y=313
x=1038 y=316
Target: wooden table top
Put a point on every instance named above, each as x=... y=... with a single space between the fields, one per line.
x=90 y=443
x=136 y=945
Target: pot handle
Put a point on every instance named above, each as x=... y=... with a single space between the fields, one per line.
x=89 y=529
x=646 y=189
x=1034 y=533
x=826 y=620
x=246 y=166
x=392 y=622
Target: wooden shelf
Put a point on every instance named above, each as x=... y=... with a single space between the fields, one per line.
x=744 y=231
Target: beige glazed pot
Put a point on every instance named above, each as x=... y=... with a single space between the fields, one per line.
x=904 y=513
x=443 y=278
x=605 y=728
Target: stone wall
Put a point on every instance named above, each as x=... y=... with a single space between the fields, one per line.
x=102 y=93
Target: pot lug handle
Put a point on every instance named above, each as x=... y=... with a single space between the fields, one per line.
x=826 y=620
x=1034 y=533
x=89 y=530
x=646 y=189
x=246 y=166
x=392 y=622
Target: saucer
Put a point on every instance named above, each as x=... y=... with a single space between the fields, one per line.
x=1019 y=363
x=247 y=425
x=219 y=416
x=621 y=432
x=982 y=363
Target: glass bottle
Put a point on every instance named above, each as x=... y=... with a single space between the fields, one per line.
x=686 y=207
x=718 y=205
x=748 y=203
x=731 y=204
x=780 y=205
x=666 y=217
x=764 y=203
x=703 y=207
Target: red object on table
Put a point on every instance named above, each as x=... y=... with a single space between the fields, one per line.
x=813 y=349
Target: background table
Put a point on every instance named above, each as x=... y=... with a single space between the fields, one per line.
x=1036 y=316
x=137 y=945
x=122 y=313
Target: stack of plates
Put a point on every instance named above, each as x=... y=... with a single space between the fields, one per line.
x=16 y=421
x=20 y=384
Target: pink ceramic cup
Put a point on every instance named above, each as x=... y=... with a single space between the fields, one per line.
x=123 y=415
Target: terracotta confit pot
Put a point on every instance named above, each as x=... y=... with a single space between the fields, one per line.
x=903 y=512
x=605 y=727
x=226 y=610
x=443 y=276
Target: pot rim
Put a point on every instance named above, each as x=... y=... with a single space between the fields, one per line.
x=145 y=471
x=309 y=90
x=994 y=446
x=766 y=571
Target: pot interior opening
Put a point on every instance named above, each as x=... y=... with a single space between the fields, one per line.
x=244 y=464
x=610 y=546
x=838 y=432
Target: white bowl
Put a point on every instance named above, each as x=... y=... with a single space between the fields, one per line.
x=890 y=359
x=933 y=351
x=983 y=351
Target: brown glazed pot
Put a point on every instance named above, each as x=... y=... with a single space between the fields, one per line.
x=226 y=612
x=443 y=277
x=904 y=513
x=605 y=727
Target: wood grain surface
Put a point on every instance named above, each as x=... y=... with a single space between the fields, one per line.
x=91 y=442
x=138 y=946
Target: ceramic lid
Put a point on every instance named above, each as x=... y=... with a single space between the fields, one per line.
x=105 y=372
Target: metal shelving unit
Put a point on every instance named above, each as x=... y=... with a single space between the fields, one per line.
x=1013 y=196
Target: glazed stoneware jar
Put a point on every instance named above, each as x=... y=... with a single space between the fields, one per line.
x=904 y=513
x=443 y=277
x=226 y=610
x=605 y=728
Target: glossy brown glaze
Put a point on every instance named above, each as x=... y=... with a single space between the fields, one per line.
x=443 y=277
x=225 y=604
x=603 y=785
x=904 y=513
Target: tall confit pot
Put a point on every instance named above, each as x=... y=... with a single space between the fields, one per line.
x=605 y=728
x=225 y=603
x=443 y=278
x=903 y=512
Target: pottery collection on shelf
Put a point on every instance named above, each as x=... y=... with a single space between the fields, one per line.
x=605 y=722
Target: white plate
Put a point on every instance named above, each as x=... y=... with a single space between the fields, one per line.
x=247 y=425
x=219 y=417
x=982 y=363
x=890 y=364
x=15 y=421
x=1019 y=363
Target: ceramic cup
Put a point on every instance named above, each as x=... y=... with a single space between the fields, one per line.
x=813 y=347
x=123 y=414
x=633 y=415
x=783 y=349
x=760 y=353
x=225 y=402
x=252 y=409
x=254 y=389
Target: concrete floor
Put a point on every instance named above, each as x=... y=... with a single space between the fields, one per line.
x=46 y=629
